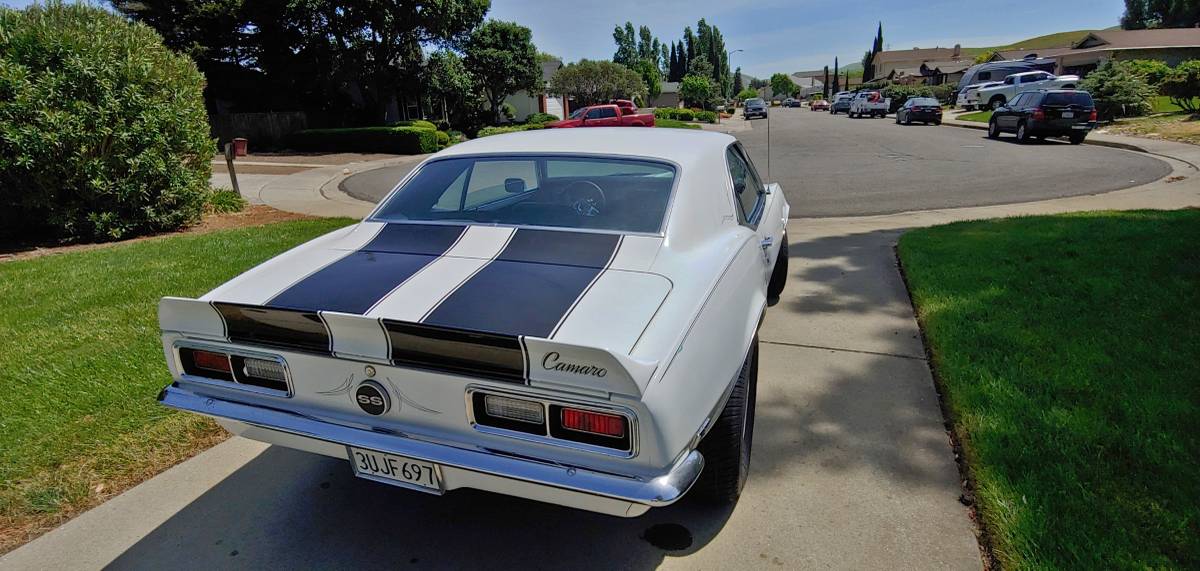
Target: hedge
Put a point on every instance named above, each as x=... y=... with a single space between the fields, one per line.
x=103 y=132
x=419 y=123
x=411 y=140
x=489 y=131
x=685 y=114
x=540 y=118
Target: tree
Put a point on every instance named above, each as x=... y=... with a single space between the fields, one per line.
x=1152 y=71
x=700 y=66
x=501 y=58
x=737 y=81
x=1182 y=85
x=781 y=84
x=746 y=94
x=835 y=75
x=207 y=32
x=1117 y=91
x=447 y=80
x=1142 y=14
x=626 y=39
x=590 y=82
x=825 y=85
x=868 y=66
x=648 y=70
x=696 y=90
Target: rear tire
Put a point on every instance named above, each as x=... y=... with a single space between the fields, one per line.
x=996 y=102
x=993 y=129
x=726 y=448
x=780 y=273
x=1077 y=138
x=1022 y=134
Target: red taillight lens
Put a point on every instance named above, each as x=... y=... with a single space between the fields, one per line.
x=1093 y=116
x=1039 y=114
x=593 y=422
x=211 y=361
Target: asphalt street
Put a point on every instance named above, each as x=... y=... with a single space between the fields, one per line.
x=831 y=165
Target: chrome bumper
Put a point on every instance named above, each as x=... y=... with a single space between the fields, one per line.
x=480 y=468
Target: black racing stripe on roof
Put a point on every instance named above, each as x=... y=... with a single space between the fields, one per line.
x=362 y=278
x=530 y=286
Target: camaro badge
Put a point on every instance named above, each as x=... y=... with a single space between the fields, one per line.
x=552 y=362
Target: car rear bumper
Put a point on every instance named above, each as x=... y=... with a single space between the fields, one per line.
x=476 y=468
x=925 y=116
x=1060 y=129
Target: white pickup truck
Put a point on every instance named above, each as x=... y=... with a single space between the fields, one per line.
x=1026 y=81
x=869 y=103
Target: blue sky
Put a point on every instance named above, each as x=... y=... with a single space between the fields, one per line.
x=795 y=35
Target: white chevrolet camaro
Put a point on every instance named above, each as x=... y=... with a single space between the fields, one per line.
x=568 y=316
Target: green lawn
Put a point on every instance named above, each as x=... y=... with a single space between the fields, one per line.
x=675 y=124
x=1068 y=353
x=81 y=363
x=978 y=116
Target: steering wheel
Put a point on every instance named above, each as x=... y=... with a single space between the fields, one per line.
x=585 y=197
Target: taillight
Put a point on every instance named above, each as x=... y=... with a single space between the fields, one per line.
x=211 y=361
x=514 y=409
x=1039 y=114
x=593 y=422
x=1093 y=116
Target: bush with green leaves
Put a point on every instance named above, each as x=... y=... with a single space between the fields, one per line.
x=1182 y=85
x=103 y=131
x=411 y=140
x=1152 y=71
x=746 y=94
x=224 y=200
x=1118 y=91
x=696 y=90
x=489 y=131
x=901 y=93
x=418 y=123
x=946 y=93
x=540 y=118
x=443 y=140
x=685 y=114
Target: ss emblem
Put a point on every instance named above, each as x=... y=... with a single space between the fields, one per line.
x=372 y=398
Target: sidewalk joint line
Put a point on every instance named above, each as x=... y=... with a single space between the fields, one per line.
x=807 y=346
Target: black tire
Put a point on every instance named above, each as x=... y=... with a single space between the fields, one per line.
x=993 y=129
x=779 y=273
x=996 y=102
x=1075 y=138
x=726 y=448
x=937 y=122
x=1022 y=133
x=897 y=118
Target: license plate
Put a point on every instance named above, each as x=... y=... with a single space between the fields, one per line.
x=1079 y=126
x=395 y=470
x=1068 y=114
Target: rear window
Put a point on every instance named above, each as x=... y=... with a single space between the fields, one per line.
x=624 y=195
x=925 y=102
x=1080 y=98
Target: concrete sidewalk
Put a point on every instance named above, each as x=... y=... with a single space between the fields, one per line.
x=852 y=467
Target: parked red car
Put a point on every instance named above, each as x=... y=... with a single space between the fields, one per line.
x=818 y=105
x=610 y=115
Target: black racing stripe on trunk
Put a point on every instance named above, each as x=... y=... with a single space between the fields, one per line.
x=274 y=327
x=530 y=286
x=470 y=353
x=362 y=278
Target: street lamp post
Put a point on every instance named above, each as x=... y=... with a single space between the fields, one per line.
x=729 y=61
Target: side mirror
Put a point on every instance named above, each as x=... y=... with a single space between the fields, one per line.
x=514 y=185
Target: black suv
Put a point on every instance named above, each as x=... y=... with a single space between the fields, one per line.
x=1046 y=113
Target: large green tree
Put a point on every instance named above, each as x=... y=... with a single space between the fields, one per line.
x=502 y=59
x=781 y=84
x=737 y=81
x=626 y=40
x=590 y=82
x=449 y=85
x=1142 y=14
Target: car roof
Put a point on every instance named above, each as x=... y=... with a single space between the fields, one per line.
x=681 y=146
x=1030 y=73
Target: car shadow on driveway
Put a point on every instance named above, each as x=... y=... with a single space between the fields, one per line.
x=290 y=509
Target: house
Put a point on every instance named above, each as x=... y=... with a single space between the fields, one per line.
x=525 y=103
x=942 y=72
x=908 y=62
x=1169 y=45
x=807 y=85
x=668 y=96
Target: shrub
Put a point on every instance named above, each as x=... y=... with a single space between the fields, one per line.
x=1182 y=85
x=103 y=132
x=489 y=131
x=901 y=93
x=947 y=93
x=418 y=123
x=1152 y=71
x=224 y=200
x=443 y=140
x=410 y=140
x=685 y=114
x=746 y=94
x=1118 y=91
x=695 y=90
x=706 y=116
x=540 y=118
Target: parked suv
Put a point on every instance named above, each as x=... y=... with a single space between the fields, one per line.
x=1046 y=113
x=754 y=108
x=841 y=102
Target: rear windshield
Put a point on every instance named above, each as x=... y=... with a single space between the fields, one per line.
x=925 y=101
x=1080 y=98
x=625 y=195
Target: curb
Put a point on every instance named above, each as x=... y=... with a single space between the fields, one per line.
x=1097 y=142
